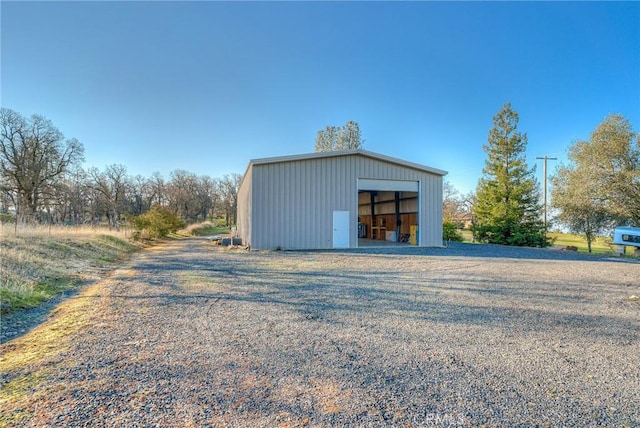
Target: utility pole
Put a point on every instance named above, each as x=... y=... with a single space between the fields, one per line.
x=544 y=186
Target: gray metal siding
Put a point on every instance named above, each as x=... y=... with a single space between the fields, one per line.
x=293 y=201
x=245 y=207
x=431 y=212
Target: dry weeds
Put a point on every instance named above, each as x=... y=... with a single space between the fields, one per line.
x=38 y=262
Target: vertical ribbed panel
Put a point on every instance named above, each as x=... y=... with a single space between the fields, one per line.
x=245 y=207
x=290 y=204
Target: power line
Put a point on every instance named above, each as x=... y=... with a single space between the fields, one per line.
x=544 y=173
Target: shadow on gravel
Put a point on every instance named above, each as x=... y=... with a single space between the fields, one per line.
x=323 y=304
x=333 y=297
x=457 y=249
x=327 y=296
x=332 y=309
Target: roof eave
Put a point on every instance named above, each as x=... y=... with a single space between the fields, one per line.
x=319 y=155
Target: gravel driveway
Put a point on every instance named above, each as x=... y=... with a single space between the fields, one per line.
x=193 y=335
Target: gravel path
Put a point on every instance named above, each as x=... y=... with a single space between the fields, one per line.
x=193 y=335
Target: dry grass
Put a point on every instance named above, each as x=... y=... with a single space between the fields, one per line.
x=204 y=229
x=37 y=263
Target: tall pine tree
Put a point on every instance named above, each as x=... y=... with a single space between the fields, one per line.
x=508 y=210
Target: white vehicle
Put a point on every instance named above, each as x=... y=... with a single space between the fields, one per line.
x=626 y=235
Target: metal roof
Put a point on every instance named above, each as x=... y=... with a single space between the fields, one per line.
x=359 y=152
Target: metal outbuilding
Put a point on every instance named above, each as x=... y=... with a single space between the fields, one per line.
x=341 y=199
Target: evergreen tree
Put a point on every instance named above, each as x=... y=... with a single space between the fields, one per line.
x=508 y=210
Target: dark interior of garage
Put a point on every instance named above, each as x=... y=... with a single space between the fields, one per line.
x=387 y=217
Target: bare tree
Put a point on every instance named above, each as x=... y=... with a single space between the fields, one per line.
x=350 y=136
x=140 y=195
x=182 y=192
x=208 y=193
x=451 y=202
x=33 y=154
x=6 y=199
x=327 y=139
x=111 y=185
x=76 y=188
x=158 y=190
x=68 y=203
x=96 y=204
x=339 y=138
x=229 y=186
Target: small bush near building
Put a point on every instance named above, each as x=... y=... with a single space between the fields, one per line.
x=156 y=223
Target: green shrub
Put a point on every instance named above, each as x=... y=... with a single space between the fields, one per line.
x=511 y=233
x=450 y=231
x=7 y=218
x=156 y=223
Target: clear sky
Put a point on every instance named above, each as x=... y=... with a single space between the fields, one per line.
x=207 y=86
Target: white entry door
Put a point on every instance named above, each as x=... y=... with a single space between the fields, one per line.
x=341 y=229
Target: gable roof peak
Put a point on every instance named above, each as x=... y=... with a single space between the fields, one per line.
x=348 y=152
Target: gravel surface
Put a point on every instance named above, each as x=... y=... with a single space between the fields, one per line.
x=193 y=335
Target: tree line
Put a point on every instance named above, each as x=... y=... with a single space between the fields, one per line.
x=42 y=180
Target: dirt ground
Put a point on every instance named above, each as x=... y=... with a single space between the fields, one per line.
x=189 y=334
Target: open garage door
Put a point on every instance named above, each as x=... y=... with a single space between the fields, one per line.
x=388 y=212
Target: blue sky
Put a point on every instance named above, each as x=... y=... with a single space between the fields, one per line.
x=207 y=86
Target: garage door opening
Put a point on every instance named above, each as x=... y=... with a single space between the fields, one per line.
x=388 y=213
